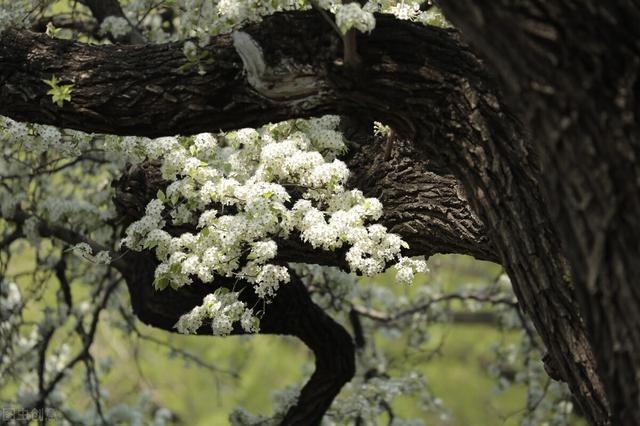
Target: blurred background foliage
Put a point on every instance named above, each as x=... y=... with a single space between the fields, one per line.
x=469 y=357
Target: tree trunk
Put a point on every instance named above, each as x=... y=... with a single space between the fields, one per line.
x=571 y=71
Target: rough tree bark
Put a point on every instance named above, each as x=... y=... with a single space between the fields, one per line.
x=571 y=70
x=424 y=82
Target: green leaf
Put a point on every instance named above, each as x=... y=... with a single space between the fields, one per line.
x=149 y=245
x=221 y=291
x=161 y=196
x=174 y=197
x=52 y=31
x=59 y=93
x=53 y=82
x=161 y=283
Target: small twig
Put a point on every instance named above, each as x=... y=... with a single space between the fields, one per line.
x=184 y=354
x=351 y=57
x=391 y=137
x=387 y=318
x=356 y=325
x=65 y=288
x=84 y=351
x=44 y=344
x=94 y=386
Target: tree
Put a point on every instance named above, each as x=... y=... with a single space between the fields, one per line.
x=521 y=148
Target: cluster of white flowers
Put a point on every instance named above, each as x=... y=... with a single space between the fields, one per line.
x=30 y=229
x=406 y=269
x=10 y=299
x=201 y=18
x=15 y=13
x=38 y=139
x=243 y=190
x=352 y=15
x=84 y=251
x=57 y=209
x=406 y=10
x=103 y=257
x=28 y=389
x=363 y=400
x=433 y=17
x=18 y=345
x=127 y=147
x=222 y=308
x=116 y=26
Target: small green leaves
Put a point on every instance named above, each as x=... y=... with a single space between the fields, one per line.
x=59 y=93
x=196 y=58
x=52 y=31
x=161 y=283
x=221 y=291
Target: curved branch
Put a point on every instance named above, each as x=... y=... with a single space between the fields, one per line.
x=290 y=313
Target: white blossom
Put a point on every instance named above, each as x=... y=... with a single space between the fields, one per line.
x=103 y=257
x=82 y=250
x=115 y=25
x=249 y=322
x=30 y=229
x=351 y=15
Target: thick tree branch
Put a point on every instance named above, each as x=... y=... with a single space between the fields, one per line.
x=160 y=98
x=428 y=208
